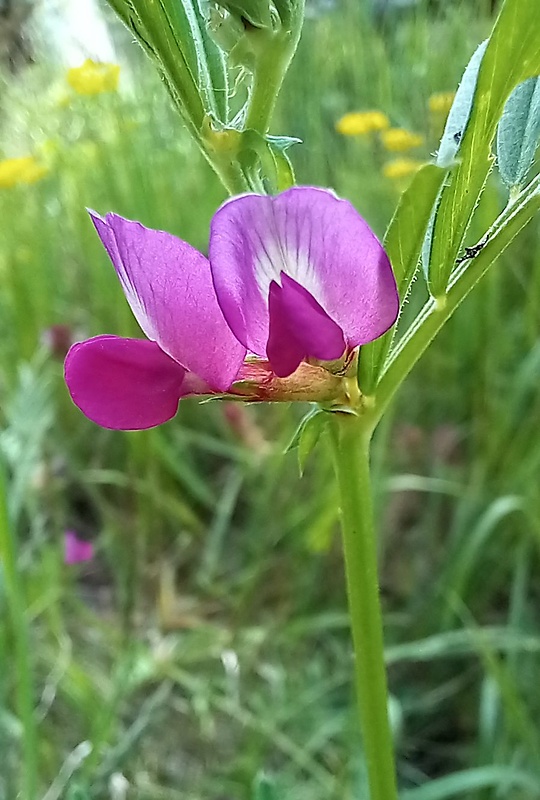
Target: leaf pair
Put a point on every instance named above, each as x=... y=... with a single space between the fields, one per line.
x=434 y=213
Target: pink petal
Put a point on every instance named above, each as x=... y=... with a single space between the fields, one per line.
x=284 y=350
x=168 y=285
x=125 y=384
x=299 y=328
x=316 y=239
x=77 y=550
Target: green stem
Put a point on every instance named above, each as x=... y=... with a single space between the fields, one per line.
x=351 y=444
x=20 y=630
x=229 y=172
x=268 y=76
x=276 y=50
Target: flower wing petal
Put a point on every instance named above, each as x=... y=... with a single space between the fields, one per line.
x=168 y=285
x=320 y=336
x=299 y=328
x=313 y=237
x=284 y=350
x=124 y=384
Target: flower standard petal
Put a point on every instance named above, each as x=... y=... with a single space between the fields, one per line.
x=168 y=285
x=319 y=241
x=124 y=384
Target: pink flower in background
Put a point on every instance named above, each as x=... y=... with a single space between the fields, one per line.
x=289 y=278
x=76 y=549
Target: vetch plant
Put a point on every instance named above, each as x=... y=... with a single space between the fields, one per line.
x=295 y=278
x=297 y=299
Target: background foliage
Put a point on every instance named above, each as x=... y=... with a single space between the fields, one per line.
x=206 y=646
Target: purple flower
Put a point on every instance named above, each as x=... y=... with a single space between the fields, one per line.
x=290 y=278
x=77 y=550
x=300 y=276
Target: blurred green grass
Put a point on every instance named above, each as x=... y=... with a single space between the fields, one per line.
x=208 y=642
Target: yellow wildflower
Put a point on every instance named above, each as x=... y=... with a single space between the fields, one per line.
x=26 y=169
x=359 y=123
x=396 y=140
x=400 y=168
x=93 y=77
x=441 y=102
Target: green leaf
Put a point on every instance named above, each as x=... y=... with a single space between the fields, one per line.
x=460 y=112
x=433 y=316
x=282 y=143
x=403 y=243
x=298 y=432
x=405 y=234
x=307 y=435
x=189 y=32
x=512 y=55
x=271 y=150
x=518 y=132
x=425 y=256
x=284 y=173
x=175 y=35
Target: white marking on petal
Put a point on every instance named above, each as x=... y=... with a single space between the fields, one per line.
x=283 y=247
